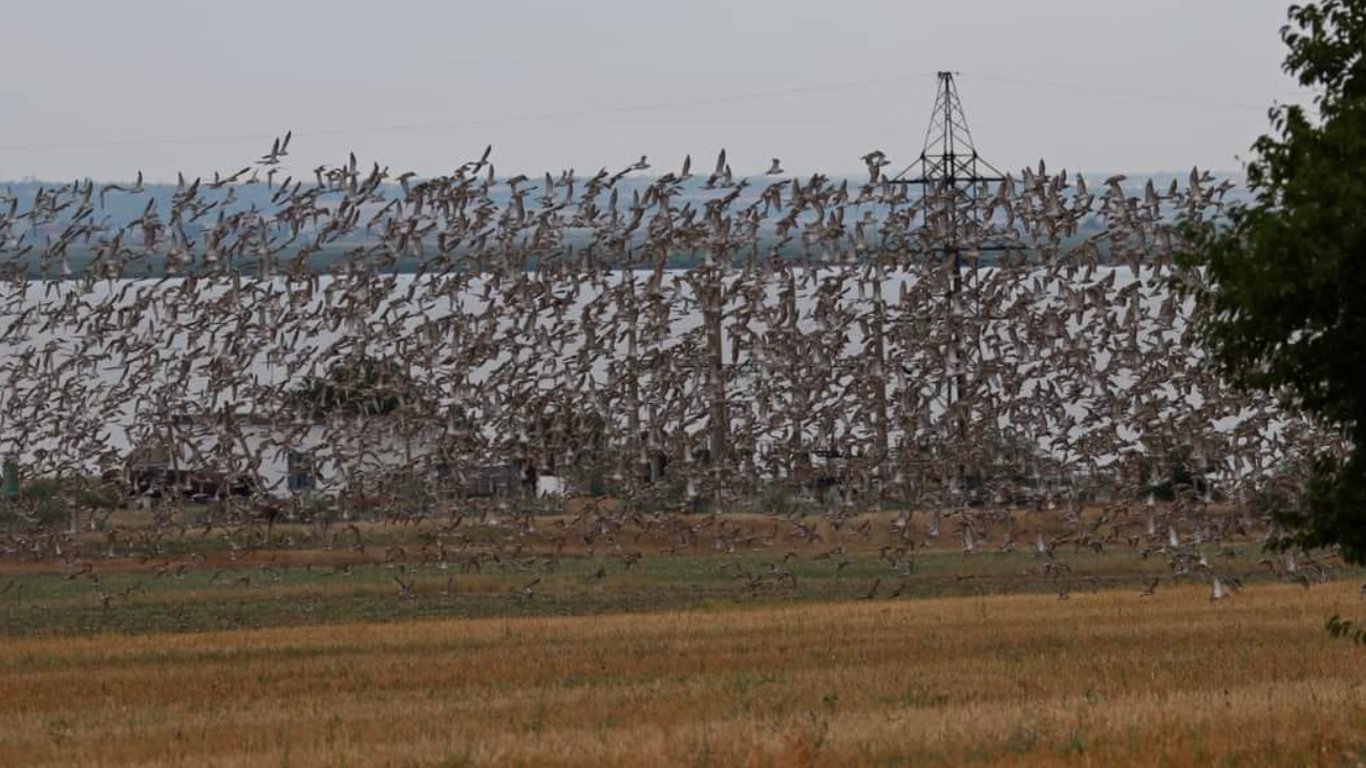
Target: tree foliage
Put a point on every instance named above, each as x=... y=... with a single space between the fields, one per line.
x=359 y=387
x=1285 y=288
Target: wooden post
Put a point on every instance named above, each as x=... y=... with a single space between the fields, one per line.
x=718 y=426
x=876 y=327
x=799 y=463
x=634 y=447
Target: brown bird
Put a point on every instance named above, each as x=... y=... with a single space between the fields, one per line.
x=872 y=591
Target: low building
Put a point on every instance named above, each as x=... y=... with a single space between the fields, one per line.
x=215 y=455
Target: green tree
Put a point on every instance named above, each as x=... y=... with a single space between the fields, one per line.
x=1284 y=296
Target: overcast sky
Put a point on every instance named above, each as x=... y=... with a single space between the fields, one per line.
x=104 y=89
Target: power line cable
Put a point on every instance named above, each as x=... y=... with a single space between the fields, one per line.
x=446 y=125
x=619 y=110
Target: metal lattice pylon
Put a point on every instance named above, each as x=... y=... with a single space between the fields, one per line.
x=951 y=175
x=953 y=179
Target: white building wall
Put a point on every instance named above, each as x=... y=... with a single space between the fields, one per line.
x=341 y=453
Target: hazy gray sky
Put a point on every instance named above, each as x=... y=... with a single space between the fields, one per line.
x=103 y=89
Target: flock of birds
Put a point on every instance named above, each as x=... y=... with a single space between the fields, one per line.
x=965 y=356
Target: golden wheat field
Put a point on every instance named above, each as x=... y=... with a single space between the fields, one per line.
x=1104 y=678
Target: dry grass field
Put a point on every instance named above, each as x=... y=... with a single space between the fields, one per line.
x=1103 y=678
x=678 y=640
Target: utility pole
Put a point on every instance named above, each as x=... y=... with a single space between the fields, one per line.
x=712 y=297
x=953 y=180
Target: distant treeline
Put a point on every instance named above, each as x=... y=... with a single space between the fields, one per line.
x=363 y=249
x=338 y=258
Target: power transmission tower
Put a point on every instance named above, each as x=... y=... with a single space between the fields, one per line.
x=953 y=180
